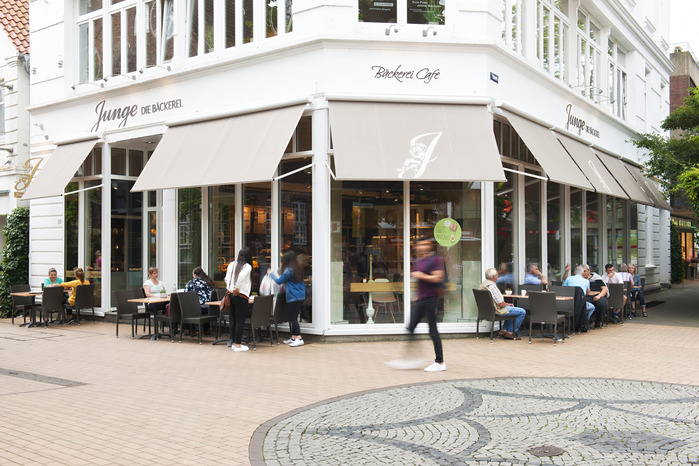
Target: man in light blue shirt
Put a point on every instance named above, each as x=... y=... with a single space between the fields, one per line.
x=582 y=282
x=534 y=276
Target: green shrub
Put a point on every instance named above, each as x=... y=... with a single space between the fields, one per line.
x=15 y=256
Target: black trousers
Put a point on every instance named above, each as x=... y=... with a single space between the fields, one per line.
x=239 y=309
x=427 y=308
x=292 y=311
x=601 y=306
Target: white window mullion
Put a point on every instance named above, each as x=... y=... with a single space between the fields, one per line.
x=239 y=23
x=201 y=29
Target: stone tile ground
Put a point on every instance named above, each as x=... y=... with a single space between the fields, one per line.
x=78 y=395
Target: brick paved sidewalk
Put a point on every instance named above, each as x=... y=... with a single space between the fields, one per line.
x=78 y=395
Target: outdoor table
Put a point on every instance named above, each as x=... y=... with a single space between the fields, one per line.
x=228 y=340
x=29 y=294
x=152 y=300
x=523 y=296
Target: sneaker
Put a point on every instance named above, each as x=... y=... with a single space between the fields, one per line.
x=240 y=348
x=436 y=367
x=286 y=342
x=298 y=342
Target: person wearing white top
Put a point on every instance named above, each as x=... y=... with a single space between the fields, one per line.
x=610 y=276
x=154 y=288
x=239 y=284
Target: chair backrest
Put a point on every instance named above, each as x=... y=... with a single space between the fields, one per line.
x=565 y=291
x=616 y=295
x=261 y=311
x=189 y=304
x=121 y=298
x=84 y=297
x=21 y=300
x=175 y=312
x=383 y=296
x=280 y=315
x=52 y=299
x=542 y=307
x=215 y=296
x=555 y=283
x=502 y=286
x=484 y=303
x=531 y=288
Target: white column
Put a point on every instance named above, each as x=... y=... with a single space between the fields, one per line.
x=487 y=226
x=106 y=233
x=169 y=244
x=320 y=197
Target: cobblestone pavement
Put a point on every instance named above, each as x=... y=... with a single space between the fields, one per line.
x=593 y=421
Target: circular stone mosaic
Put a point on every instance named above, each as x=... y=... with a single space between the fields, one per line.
x=594 y=421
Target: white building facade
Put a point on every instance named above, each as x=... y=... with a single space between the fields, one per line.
x=175 y=132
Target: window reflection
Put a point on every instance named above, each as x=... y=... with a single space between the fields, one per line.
x=189 y=234
x=504 y=233
x=257 y=227
x=221 y=232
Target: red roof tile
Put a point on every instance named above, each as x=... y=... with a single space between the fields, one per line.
x=14 y=17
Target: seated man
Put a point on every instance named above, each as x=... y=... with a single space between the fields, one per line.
x=584 y=284
x=610 y=276
x=534 y=276
x=597 y=294
x=505 y=275
x=501 y=307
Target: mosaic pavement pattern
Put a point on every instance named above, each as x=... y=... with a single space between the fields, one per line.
x=594 y=421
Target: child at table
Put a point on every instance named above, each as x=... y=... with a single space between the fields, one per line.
x=73 y=285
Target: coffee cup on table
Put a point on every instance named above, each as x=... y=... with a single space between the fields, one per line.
x=524 y=292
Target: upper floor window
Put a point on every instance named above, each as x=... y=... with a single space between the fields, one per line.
x=617 y=79
x=589 y=57
x=2 y=111
x=552 y=31
x=417 y=11
x=512 y=25
x=122 y=36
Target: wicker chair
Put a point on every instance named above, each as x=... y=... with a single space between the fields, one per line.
x=84 y=299
x=173 y=319
x=188 y=302
x=52 y=303
x=21 y=303
x=616 y=300
x=261 y=316
x=486 y=311
x=545 y=312
x=129 y=312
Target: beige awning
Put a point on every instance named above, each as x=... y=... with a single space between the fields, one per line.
x=240 y=149
x=56 y=171
x=555 y=161
x=404 y=141
x=592 y=167
x=618 y=169
x=649 y=187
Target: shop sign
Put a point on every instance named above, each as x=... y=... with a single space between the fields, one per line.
x=107 y=114
x=575 y=122
x=447 y=232
x=29 y=171
x=425 y=75
x=681 y=222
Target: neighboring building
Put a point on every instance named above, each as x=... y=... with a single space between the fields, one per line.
x=683 y=78
x=14 y=100
x=184 y=130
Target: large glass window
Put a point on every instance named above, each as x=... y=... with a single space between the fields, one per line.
x=295 y=226
x=431 y=202
x=554 y=234
x=367 y=244
x=257 y=227
x=189 y=234
x=633 y=233
x=588 y=58
x=2 y=112
x=594 y=218
x=221 y=232
x=93 y=240
x=576 y=210
x=617 y=80
x=512 y=25
x=417 y=12
x=504 y=226
x=127 y=236
x=532 y=221
x=70 y=232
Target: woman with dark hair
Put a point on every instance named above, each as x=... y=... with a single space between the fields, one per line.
x=238 y=283
x=202 y=284
x=292 y=277
x=74 y=284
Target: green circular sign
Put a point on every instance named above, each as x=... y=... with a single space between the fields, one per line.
x=447 y=232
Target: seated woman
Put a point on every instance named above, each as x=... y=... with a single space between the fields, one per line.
x=636 y=291
x=53 y=279
x=73 y=285
x=203 y=285
x=154 y=288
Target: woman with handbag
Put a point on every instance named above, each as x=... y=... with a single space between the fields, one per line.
x=238 y=285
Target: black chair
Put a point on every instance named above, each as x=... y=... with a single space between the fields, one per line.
x=84 y=299
x=173 y=319
x=52 y=303
x=129 y=312
x=486 y=311
x=567 y=306
x=643 y=290
x=188 y=302
x=530 y=288
x=615 y=299
x=217 y=294
x=261 y=316
x=21 y=303
x=545 y=312
x=280 y=315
